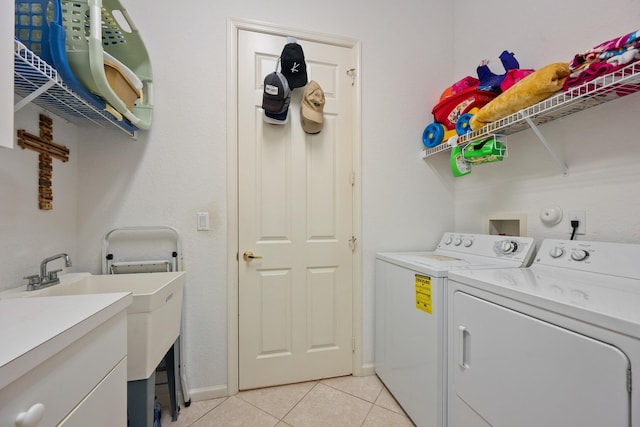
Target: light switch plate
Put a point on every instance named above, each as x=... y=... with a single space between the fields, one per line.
x=202 y=221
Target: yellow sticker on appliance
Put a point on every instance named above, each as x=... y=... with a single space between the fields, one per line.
x=423 y=293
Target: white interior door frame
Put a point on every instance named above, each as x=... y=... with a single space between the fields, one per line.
x=233 y=27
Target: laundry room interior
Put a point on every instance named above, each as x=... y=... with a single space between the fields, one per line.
x=184 y=167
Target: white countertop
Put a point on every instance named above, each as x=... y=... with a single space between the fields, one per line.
x=34 y=329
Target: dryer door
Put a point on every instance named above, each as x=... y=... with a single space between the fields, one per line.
x=515 y=370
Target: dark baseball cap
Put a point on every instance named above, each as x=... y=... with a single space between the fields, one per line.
x=293 y=65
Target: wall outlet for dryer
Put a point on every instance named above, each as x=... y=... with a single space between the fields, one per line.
x=581 y=217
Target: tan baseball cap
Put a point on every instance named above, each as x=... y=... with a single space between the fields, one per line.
x=311 y=110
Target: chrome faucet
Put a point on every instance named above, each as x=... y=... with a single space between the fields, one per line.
x=47 y=278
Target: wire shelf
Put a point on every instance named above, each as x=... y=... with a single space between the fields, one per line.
x=36 y=81
x=602 y=89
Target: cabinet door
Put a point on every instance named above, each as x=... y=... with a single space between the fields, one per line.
x=106 y=405
x=68 y=376
x=6 y=75
x=512 y=369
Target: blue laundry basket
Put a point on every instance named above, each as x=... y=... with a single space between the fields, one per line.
x=38 y=25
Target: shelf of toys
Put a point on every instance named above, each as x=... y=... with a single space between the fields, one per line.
x=604 y=73
x=602 y=89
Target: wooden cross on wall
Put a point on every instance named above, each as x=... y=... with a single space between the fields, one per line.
x=44 y=145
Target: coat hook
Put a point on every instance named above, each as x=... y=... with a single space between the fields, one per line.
x=351 y=72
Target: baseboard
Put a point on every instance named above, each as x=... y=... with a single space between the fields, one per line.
x=206 y=393
x=365 y=370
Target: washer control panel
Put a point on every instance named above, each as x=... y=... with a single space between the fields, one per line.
x=516 y=248
x=618 y=259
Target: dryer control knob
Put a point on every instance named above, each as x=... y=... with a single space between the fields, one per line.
x=508 y=247
x=457 y=241
x=467 y=243
x=448 y=241
x=579 y=255
x=556 y=252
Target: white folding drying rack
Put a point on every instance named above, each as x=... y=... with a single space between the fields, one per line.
x=147 y=249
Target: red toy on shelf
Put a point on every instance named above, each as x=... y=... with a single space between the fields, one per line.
x=467 y=96
x=447 y=112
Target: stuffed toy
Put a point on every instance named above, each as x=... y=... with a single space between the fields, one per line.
x=532 y=89
x=501 y=82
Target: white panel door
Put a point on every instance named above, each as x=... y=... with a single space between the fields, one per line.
x=295 y=212
x=511 y=370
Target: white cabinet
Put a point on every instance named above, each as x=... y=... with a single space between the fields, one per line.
x=6 y=76
x=79 y=381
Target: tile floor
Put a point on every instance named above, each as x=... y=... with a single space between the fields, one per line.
x=336 y=402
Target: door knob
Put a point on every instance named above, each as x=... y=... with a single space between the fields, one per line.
x=248 y=256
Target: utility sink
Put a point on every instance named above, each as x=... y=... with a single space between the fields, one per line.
x=153 y=318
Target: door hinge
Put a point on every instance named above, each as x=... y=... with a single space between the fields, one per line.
x=629 y=380
x=353 y=178
x=351 y=72
x=352 y=243
x=353 y=344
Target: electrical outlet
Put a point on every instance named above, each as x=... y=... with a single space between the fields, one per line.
x=581 y=217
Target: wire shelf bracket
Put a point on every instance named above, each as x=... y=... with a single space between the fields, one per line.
x=543 y=140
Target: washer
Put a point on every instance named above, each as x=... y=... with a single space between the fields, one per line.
x=410 y=315
x=550 y=345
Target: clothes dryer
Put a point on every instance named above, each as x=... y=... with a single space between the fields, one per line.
x=410 y=315
x=556 y=344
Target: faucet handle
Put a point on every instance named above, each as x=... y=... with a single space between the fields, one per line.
x=34 y=279
x=53 y=275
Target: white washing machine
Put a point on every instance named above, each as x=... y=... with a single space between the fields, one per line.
x=410 y=315
x=551 y=345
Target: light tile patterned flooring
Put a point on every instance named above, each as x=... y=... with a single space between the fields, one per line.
x=336 y=402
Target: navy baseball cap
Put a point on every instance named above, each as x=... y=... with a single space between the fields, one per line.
x=276 y=92
x=276 y=98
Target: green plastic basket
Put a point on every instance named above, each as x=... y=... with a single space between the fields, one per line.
x=101 y=32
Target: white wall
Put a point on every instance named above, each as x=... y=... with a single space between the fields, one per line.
x=599 y=145
x=178 y=167
x=28 y=234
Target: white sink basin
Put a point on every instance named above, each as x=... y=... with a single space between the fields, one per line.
x=153 y=318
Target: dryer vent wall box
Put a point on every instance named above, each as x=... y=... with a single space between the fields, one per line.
x=507 y=224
